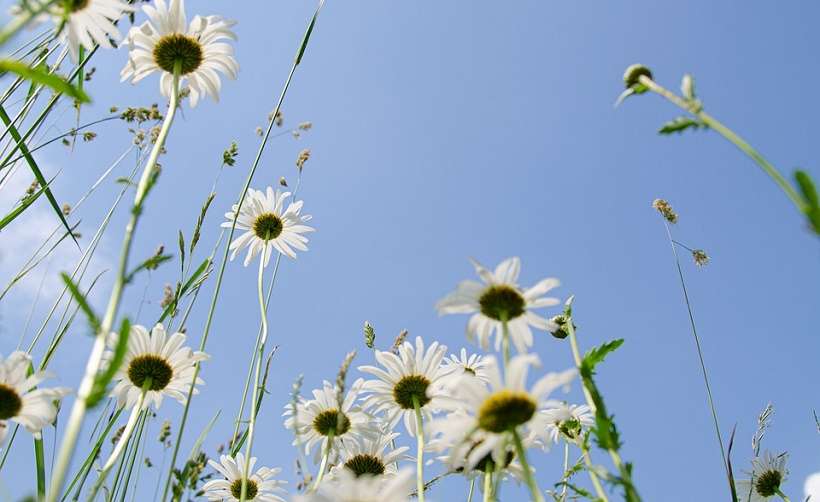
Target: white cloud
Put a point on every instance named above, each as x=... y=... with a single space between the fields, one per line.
x=811 y=487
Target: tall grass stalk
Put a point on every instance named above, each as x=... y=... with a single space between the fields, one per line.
x=696 y=337
x=241 y=199
x=79 y=408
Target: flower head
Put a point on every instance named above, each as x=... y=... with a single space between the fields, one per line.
x=370 y=456
x=768 y=475
x=413 y=377
x=20 y=402
x=268 y=225
x=321 y=420
x=495 y=411
x=155 y=363
x=469 y=365
x=350 y=488
x=167 y=44
x=260 y=486
x=88 y=23
x=498 y=300
x=567 y=421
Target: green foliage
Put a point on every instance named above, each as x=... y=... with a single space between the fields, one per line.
x=100 y=387
x=79 y=297
x=193 y=282
x=40 y=75
x=812 y=202
x=681 y=124
x=596 y=355
x=150 y=264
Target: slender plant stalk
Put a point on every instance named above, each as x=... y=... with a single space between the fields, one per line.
x=325 y=457
x=79 y=409
x=263 y=309
x=20 y=22
x=525 y=466
x=137 y=445
x=419 y=449
x=593 y=476
x=705 y=374
x=217 y=287
x=82 y=474
x=470 y=492
x=696 y=109
x=505 y=341
x=39 y=456
x=488 y=482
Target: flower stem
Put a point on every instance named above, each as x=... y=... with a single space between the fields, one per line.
x=593 y=476
x=488 y=482
x=505 y=341
x=420 y=449
x=80 y=406
x=472 y=489
x=325 y=456
x=260 y=358
x=525 y=466
x=782 y=495
x=695 y=109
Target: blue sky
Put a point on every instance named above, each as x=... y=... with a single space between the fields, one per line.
x=448 y=130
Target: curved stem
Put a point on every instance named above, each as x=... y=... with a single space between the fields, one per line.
x=695 y=109
x=261 y=354
x=525 y=466
x=325 y=456
x=123 y=441
x=420 y=450
x=79 y=408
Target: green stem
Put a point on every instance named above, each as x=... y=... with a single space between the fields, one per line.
x=472 y=489
x=420 y=449
x=325 y=457
x=525 y=466
x=488 y=482
x=217 y=287
x=21 y=21
x=260 y=358
x=505 y=341
x=782 y=495
x=695 y=109
x=39 y=456
x=79 y=408
x=593 y=476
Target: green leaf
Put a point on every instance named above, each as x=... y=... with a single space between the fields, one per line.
x=202 y=435
x=42 y=77
x=596 y=355
x=308 y=32
x=100 y=387
x=24 y=204
x=181 y=243
x=79 y=297
x=681 y=124
x=150 y=264
x=193 y=281
x=809 y=192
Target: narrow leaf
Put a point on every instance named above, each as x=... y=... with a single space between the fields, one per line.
x=50 y=80
x=79 y=297
x=100 y=386
x=681 y=124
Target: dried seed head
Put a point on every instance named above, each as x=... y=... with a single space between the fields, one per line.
x=398 y=341
x=305 y=126
x=666 y=210
x=66 y=209
x=303 y=157
x=700 y=257
x=230 y=154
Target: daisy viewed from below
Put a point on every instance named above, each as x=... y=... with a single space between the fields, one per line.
x=349 y=488
x=268 y=225
x=20 y=402
x=261 y=486
x=567 y=421
x=499 y=303
x=319 y=420
x=165 y=43
x=155 y=364
x=462 y=364
x=366 y=456
x=768 y=475
x=88 y=23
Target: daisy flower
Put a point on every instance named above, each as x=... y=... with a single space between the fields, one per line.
x=566 y=420
x=265 y=220
x=413 y=377
x=768 y=475
x=154 y=362
x=165 y=42
x=462 y=364
x=348 y=487
x=260 y=486
x=366 y=456
x=20 y=402
x=498 y=410
x=499 y=300
x=316 y=419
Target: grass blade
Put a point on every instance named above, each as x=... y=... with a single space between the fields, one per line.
x=39 y=76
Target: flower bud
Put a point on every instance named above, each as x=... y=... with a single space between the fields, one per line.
x=632 y=77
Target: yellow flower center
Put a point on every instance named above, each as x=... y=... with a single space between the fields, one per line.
x=178 y=48
x=504 y=410
x=502 y=303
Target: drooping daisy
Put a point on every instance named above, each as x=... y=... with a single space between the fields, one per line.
x=264 y=219
x=89 y=23
x=166 y=42
x=156 y=363
x=768 y=475
x=414 y=376
x=498 y=410
x=316 y=419
x=261 y=486
x=462 y=364
x=366 y=456
x=20 y=402
x=347 y=487
x=498 y=300
x=566 y=420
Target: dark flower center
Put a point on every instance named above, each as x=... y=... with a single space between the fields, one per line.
x=362 y=464
x=331 y=420
x=76 y=5
x=10 y=402
x=410 y=387
x=505 y=410
x=502 y=303
x=250 y=489
x=150 y=366
x=570 y=428
x=268 y=226
x=487 y=461
x=178 y=48
x=768 y=483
